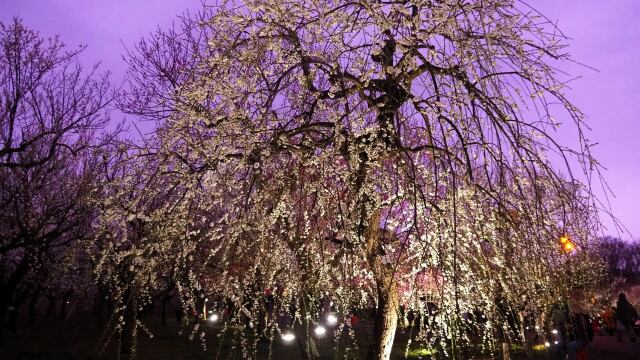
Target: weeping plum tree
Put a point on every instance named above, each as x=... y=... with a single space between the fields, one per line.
x=374 y=153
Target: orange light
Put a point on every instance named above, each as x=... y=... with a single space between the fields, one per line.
x=569 y=246
x=564 y=239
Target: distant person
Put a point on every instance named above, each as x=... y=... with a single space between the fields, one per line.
x=583 y=328
x=609 y=321
x=573 y=346
x=354 y=319
x=626 y=316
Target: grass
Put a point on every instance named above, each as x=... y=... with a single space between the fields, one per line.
x=421 y=353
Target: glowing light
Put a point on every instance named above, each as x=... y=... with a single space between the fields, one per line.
x=567 y=244
x=320 y=330
x=547 y=344
x=213 y=317
x=287 y=337
x=554 y=332
x=569 y=247
x=332 y=319
x=556 y=342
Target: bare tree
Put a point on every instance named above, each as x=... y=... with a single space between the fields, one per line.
x=621 y=258
x=50 y=112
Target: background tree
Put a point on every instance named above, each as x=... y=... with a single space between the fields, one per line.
x=621 y=258
x=50 y=110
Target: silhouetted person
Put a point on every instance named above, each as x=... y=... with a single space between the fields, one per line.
x=626 y=316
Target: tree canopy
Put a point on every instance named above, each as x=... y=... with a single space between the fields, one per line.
x=380 y=154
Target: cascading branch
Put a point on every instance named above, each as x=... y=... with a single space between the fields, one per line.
x=377 y=154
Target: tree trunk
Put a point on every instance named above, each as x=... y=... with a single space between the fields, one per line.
x=21 y=296
x=307 y=343
x=505 y=351
x=164 y=310
x=385 y=325
x=110 y=309
x=386 y=317
x=33 y=304
x=12 y=319
x=63 y=307
x=50 y=306
x=523 y=335
x=179 y=313
x=4 y=310
x=97 y=310
x=128 y=334
x=7 y=292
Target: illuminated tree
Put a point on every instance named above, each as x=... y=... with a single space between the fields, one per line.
x=353 y=149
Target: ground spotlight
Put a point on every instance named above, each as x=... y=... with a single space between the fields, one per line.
x=320 y=330
x=332 y=320
x=287 y=337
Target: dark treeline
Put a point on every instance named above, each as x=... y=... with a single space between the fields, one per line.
x=52 y=120
x=621 y=258
x=57 y=143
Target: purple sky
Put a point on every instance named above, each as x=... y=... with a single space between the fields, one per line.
x=605 y=35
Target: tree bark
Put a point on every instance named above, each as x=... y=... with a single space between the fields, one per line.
x=63 y=307
x=33 y=304
x=505 y=351
x=385 y=325
x=97 y=310
x=128 y=334
x=21 y=296
x=179 y=313
x=4 y=309
x=386 y=318
x=7 y=292
x=50 y=306
x=307 y=343
x=163 y=308
x=12 y=319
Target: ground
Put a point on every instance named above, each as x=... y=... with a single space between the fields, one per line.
x=607 y=348
x=79 y=339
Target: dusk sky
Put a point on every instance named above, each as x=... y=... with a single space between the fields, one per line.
x=604 y=34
